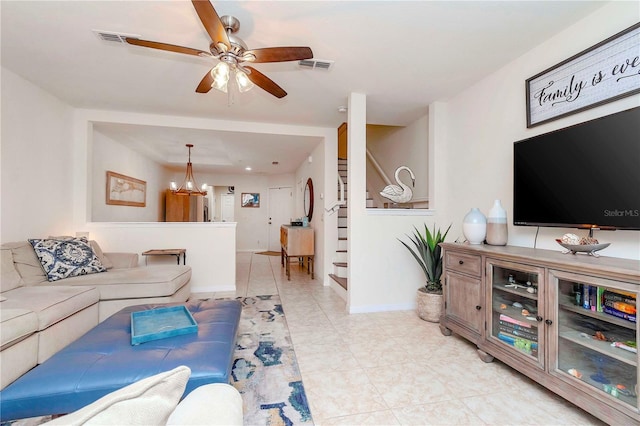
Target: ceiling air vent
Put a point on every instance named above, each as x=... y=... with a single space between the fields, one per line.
x=315 y=64
x=113 y=36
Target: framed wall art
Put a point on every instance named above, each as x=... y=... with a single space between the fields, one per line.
x=125 y=191
x=603 y=73
x=250 y=199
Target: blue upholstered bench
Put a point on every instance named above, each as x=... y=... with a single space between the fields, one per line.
x=103 y=360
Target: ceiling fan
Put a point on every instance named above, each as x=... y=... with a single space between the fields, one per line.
x=232 y=53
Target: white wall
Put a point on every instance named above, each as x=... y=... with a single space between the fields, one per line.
x=382 y=274
x=470 y=165
x=252 y=230
x=483 y=122
x=53 y=161
x=315 y=171
x=36 y=181
x=108 y=154
x=211 y=248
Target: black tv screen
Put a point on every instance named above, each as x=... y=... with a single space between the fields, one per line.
x=583 y=176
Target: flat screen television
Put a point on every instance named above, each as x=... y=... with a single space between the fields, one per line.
x=583 y=176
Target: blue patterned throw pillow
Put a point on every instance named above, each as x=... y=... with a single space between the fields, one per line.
x=66 y=257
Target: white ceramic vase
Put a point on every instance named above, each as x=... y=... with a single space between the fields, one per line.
x=474 y=226
x=497 y=225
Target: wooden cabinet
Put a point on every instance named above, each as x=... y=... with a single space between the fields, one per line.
x=297 y=242
x=463 y=295
x=183 y=208
x=551 y=316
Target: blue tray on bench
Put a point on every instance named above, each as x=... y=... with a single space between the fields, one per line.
x=161 y=323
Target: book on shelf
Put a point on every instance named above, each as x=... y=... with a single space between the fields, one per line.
x=508 y=319
x=595 y=298
x=621 y=306
x=616 y=293
x=586 y=300
x=619 y=314
x=599 y=298
x=591 y=297
x=518 y=331
x=524 y=345
x=610 y=296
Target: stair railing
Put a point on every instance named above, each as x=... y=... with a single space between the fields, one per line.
x=378 y=168
x=341 y=200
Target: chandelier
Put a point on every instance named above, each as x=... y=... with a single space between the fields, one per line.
x=189 y=185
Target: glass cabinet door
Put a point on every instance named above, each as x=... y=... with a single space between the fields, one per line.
x=515 y=320
x=596 y=335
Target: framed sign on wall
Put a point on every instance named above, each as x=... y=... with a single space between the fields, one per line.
x=250 y=199
x=603 y=73
x=125 y=191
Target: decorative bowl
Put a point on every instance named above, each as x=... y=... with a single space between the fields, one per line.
x=583 y=248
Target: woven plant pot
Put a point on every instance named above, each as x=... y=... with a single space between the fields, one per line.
x=429 y=305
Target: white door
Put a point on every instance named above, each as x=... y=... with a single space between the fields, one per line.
x=280 y=211
x=227 y=204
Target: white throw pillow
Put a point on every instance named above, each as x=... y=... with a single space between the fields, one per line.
x=212 y=404
x=149 y=401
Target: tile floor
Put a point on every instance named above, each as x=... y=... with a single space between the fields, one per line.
x=392 y=368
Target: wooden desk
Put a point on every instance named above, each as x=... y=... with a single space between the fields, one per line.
x=167 y=252
x=297 y=241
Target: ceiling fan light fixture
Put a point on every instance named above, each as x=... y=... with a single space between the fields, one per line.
x=220 y=75
x=231 y=51
x=220 y=85
x=244 y=84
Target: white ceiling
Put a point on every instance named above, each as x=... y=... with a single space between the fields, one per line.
x=402 y=55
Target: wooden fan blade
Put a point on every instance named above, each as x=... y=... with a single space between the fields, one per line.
x=205 y=84
x=265 y=83
x=211 y=22
x=280 y=54
x=166 y=46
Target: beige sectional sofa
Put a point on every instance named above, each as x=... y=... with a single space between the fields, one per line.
x=40 y=317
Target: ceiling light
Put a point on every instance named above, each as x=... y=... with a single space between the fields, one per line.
x=189 y=185
x=248 y=168
x=342 y=109
x=220 y=75
x=244 y=84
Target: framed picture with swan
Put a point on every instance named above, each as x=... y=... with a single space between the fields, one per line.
x=400 y=193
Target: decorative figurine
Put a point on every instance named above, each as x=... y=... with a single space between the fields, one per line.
x=401 y=193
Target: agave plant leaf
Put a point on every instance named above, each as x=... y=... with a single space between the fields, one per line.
x=428 y=254
x=417 y=257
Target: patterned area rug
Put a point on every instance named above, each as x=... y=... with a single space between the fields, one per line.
x=265 y=370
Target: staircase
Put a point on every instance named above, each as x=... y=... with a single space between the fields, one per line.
x=340 y=265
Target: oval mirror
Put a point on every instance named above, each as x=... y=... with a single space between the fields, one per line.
x=308 y=199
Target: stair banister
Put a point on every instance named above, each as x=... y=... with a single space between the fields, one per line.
x=341 y=202
x=376 y=165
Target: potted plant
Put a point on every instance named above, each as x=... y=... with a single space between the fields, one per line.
x=428 y=254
